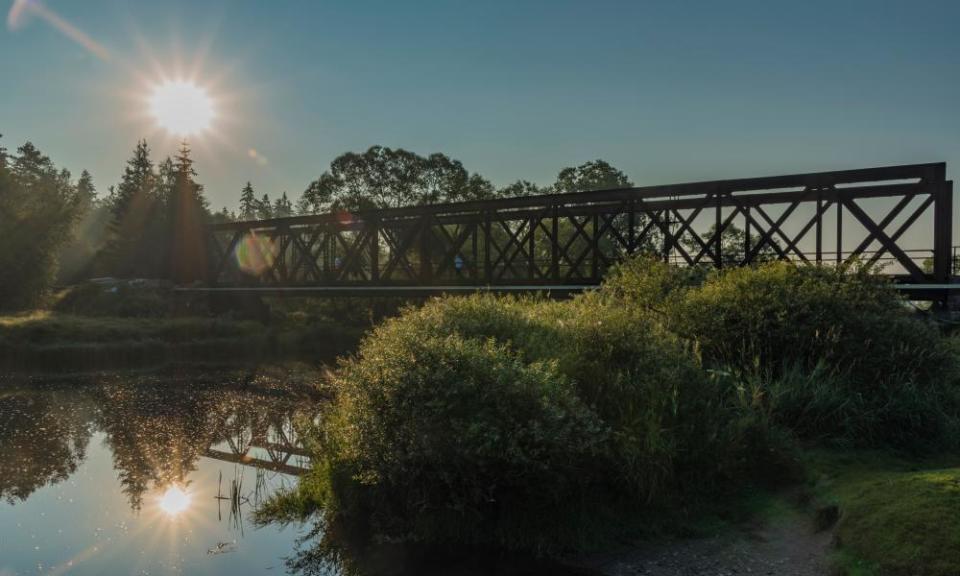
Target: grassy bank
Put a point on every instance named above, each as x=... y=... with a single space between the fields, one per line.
x=556 y=427
x=51 y=341
x=897 y=515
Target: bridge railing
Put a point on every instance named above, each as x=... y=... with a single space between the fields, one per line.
x=899 y=216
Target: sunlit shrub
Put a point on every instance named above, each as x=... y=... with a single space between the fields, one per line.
x=526 y=423
x=457 y=440
x=834 y=351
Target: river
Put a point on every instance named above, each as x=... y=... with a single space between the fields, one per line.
x=159 y=473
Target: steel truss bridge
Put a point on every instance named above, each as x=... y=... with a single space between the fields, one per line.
x=898 y=216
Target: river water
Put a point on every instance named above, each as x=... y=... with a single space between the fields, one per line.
x=133 y=473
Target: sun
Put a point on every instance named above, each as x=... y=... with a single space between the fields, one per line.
x=181 y=107
x=174 y=501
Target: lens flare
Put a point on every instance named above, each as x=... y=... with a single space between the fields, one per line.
x=174 y=501
x=182 y=108
x=255 y=254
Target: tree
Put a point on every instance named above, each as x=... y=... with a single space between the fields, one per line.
x=77 y=256
x=383 y=177
x=86 y=191
x=595 y=175
x=39 y=206
x=264 y=208
x=134 y=205
x=522 y=188
x=248 y=203
x=733 y=246
x=188 y=216
x=282 y=207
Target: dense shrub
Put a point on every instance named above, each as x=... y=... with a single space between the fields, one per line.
x=526 y=423
x=546 y=425
x=458 y=440
x=833 y=353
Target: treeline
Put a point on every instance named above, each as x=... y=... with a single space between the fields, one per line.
x=384 y=177
x=39 y=207
x=57 y=230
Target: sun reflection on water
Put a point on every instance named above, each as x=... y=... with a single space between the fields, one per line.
x=174 y=501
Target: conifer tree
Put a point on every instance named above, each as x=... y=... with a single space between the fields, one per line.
x=264 y=207
x=133 y=206
x=282 y=207
x=248 y=203
x=188 y=217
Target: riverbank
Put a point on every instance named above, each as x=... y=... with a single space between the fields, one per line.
x=711 y=412
x=856 y=514
x=55 y=342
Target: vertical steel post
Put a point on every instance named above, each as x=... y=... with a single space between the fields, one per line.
x=839 y=229
x=717 y=226
x=555 y=244
x=942 y=230
x=426 y=267
x=819 y=226
x=374 y=231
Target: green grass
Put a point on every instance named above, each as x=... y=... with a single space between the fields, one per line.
x=52 y=342
x=48 y=329
x=898 y=517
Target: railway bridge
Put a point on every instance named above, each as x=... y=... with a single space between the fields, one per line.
x=897 y=216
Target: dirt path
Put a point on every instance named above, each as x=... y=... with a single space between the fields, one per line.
x=785 y=546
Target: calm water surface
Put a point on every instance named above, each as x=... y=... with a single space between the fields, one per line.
x=159 y=474
x=144 y=475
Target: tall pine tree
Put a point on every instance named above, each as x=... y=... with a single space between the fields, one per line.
x=264 y=208
x=282 y=207
x=248 y=203
x=133 y=205
x=188 y=217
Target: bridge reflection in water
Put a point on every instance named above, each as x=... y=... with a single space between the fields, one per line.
x=272 y=446
x=897 y=215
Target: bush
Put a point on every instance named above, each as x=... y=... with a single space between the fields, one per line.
x=457 y=440
x=526 y=423
x=832 y=353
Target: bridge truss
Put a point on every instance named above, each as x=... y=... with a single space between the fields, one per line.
x=899 y=216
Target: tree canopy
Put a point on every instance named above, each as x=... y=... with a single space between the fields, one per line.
x=39 y=206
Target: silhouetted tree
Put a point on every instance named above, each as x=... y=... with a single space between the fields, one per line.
x=733 y=246
x=134 y=205
x=595 y=175
x=38 y=208
x=522 y=188
x=248 y=203
x=188 y=217
x=282 y=207
x=76 y=258
x=264 y=207
x=384 y=177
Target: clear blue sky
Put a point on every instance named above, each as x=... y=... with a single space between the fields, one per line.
x=666 y=91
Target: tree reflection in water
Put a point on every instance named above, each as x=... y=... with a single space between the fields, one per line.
x=43 y=438
x=156 y=429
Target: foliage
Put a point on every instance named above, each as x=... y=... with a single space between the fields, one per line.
x=458 y=440
x=733 y=246
x=248 y=203
x=594 y=175
x=525 y=423
x=831 y=353
x=39 y=206
x=158 y=215
x=384 y=177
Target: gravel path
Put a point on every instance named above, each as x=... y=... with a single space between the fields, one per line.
x=785 y=547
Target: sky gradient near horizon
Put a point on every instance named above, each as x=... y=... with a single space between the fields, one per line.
x=665 y=91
